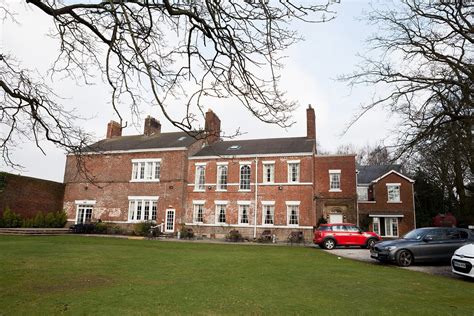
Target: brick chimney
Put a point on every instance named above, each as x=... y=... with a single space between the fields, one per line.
x=212 y=127
x=114 y=129
x=310 y=123
x=152 y=126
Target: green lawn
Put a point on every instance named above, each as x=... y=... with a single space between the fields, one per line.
x=86 y=275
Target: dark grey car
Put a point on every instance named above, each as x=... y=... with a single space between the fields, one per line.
x=422 y=245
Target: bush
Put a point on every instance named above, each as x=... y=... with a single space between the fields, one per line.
x=142 y=229
x=114 y=230
x=322 y=220
x=234 y=236
x=39 y=220
x=11 y=219
x=186 y=233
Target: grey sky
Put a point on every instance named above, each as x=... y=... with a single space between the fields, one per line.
x=312 y=65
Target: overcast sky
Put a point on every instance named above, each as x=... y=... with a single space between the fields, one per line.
x=309 y=76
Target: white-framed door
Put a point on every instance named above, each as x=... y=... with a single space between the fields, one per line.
x=169 y=220
x=335 y=218
x=84 y=213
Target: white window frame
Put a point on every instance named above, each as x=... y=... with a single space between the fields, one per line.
x=241 y=205
x=265 y=205
x=200 y=177
x=219 y=205
x=85 y=205
x=291 y=164
x=241 y=183
x=289 y=207
x=389 y=223
x=143 y=201
x=397 y=198
x=151 y=170
x=366 y=193
x=221 y=186
x=196 y=206
x=331 y=182
x=268 y=170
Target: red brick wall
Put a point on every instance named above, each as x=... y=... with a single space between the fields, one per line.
x=27 y=196
x=112 y=186
x=279 y=192
x=380 y=205
x=343 y=202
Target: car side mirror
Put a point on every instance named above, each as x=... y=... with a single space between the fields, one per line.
x=428 y=238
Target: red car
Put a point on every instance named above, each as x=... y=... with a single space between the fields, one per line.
x=328 y=236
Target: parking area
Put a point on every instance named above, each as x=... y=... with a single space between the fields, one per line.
x=364 y=255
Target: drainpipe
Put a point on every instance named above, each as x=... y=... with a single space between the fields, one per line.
x=413 y=198
x=357 y=197
x=256 y=202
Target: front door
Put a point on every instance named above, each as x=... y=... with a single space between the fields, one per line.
x=84 y=214
x=169 y=224
x=335 y=218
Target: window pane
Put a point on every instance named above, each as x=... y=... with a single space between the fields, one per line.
x=222 y=177
x=157 y=170
x=134 y=171
x=153 y=210
x=139 y=210
x=293 y=216
x=200 y=178
x=334 y=179
x=393 y=193
x=245 y=177
x=220 y=213
x=142 y=170
x=268 y=214
x=268 y=173
x=244 y=215
x=146 y=212
x=363 y=193
x=198 y=213
x=293 y=172
x=131 y=210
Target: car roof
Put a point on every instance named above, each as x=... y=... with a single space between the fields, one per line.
x=333 y=224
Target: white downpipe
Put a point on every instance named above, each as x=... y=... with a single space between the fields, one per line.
x=256 y=196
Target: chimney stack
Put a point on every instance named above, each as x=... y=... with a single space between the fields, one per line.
x=212 y=127
x=310 y=123
x=152 y=126
x=114 y=129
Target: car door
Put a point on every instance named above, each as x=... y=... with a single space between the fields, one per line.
x=455 y=238
x=354 y=235
x=431 y=246
x=341 y=234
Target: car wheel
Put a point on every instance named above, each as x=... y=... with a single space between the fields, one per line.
x=370 y=243
x=329 y=244
x=404 y=258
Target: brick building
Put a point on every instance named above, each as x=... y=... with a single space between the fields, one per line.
x=385 y=200
x=214 y=186
x=27 y=196
x=134 y=178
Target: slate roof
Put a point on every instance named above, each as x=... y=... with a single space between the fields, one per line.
x=137 y=142
x=367 y=174
x=288 y=145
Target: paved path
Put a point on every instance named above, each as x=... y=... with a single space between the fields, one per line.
x=364 y=255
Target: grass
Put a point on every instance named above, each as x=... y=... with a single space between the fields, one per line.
x=81 y=275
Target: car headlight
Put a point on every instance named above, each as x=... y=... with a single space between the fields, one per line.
x=390 y=248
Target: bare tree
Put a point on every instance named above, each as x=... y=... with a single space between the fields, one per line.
x=421 y=64
x=169 y=49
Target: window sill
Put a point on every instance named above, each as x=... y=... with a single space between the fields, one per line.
x=143 y=180
x=246 y=224
x=198 y=223
x=364 y=201
x=221 y=190
x=268 y=225
x=335 y=190
x=203 y=190
x=394 y=202
x=293 y=225
x=241 y=190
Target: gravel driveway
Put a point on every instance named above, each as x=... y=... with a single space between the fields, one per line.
x=364 y=255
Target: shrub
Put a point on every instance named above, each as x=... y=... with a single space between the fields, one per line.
x=322 y=220
x=234 y=236
x=39 y=220
x=100 y=228
x=11 y=219
x=186 y=233
x=114 y=230
x=142 y=228
x=61 y=219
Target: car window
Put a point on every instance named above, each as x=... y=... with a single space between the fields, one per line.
x=437 y=234
x=352 y=228
x=324 y=228
x=453 y=234
x=339 y=228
